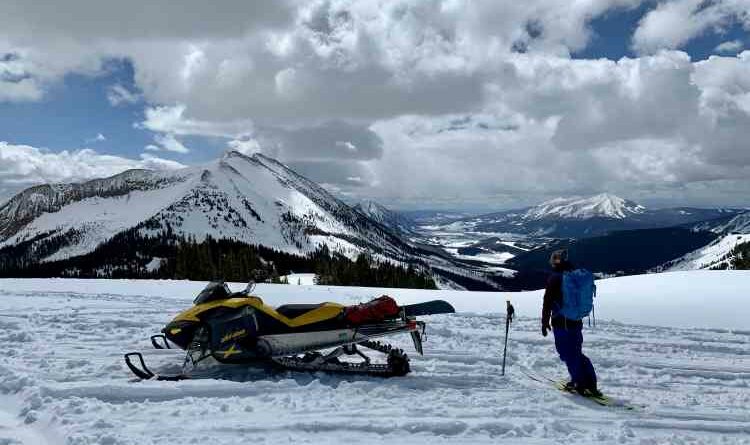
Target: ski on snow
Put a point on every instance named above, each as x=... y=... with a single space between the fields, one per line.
x=560 y=385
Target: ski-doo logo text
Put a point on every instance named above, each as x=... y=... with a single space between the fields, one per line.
x=233 y=335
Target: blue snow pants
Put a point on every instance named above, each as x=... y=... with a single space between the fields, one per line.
x=568 y=343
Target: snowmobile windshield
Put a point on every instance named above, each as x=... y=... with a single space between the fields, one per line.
x=214 y=291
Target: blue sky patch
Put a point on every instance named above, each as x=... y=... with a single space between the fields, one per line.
x=612 y=32
x=73 y=112
x=612 y=35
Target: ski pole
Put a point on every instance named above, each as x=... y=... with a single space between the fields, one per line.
x=593 y=308
x=593 y=315
x=509 y=311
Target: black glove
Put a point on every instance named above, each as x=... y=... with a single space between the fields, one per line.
x=545 y=327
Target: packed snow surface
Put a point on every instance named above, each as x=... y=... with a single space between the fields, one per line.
x=675 y=345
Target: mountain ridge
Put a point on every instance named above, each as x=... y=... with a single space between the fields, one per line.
x=253 y=199
x=580 y=217
x=395 y=221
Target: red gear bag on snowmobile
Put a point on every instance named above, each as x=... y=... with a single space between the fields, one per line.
x=374 y=311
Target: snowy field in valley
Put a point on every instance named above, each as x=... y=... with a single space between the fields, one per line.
x=677 y=345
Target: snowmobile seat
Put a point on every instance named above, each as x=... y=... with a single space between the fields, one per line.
x=295 y=310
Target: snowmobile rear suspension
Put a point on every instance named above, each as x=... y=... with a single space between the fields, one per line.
x=397 y=361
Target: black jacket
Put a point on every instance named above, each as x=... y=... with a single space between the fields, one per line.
x=553 y=299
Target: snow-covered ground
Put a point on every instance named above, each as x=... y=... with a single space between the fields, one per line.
x=487 y=257
x=676 y=344
x=301 y=279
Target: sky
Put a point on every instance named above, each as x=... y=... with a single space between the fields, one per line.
x=417 y=104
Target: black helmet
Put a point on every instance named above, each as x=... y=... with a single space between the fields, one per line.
x=558 y=257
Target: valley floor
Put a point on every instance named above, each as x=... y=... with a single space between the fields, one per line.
x=62 y=379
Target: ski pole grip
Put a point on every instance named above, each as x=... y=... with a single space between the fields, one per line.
x=509 y=310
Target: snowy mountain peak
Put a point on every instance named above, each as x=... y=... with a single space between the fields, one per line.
x=254 y=199
x=385 y=216
x=603 y=205
x=374 y=210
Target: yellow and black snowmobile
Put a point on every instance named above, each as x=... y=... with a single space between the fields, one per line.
x=238 y=328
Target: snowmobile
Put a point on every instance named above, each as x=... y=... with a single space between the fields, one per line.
x=239 y=328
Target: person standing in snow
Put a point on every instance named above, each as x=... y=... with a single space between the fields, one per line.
x=568 y=333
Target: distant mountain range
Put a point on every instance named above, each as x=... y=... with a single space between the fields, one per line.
x=604 y=233
x=259 y=201
x=436 y=217
x=587 y=217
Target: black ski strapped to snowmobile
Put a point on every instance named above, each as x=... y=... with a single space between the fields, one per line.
x=238 y=328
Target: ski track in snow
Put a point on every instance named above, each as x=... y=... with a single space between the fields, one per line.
x=63 y=381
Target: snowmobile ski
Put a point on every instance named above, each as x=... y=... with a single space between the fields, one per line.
x=561 y=385
x=428 y=308
x=144 y=373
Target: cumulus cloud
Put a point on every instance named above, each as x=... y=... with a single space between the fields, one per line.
x=168 y=142
x=418 y=102
x=345 y=177
x=674 y=23
x=23 y=165
x=16 y=85
x=85 y=19
x=573 y=127
x=329 y=141
x=276 y=64
x=151 y=162
x=730 y=47
x=245 y=146
x=172 y=120
x=119 y=95
x=98 y=138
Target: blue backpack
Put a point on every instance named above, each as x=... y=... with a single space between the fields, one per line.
x=578 y=291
